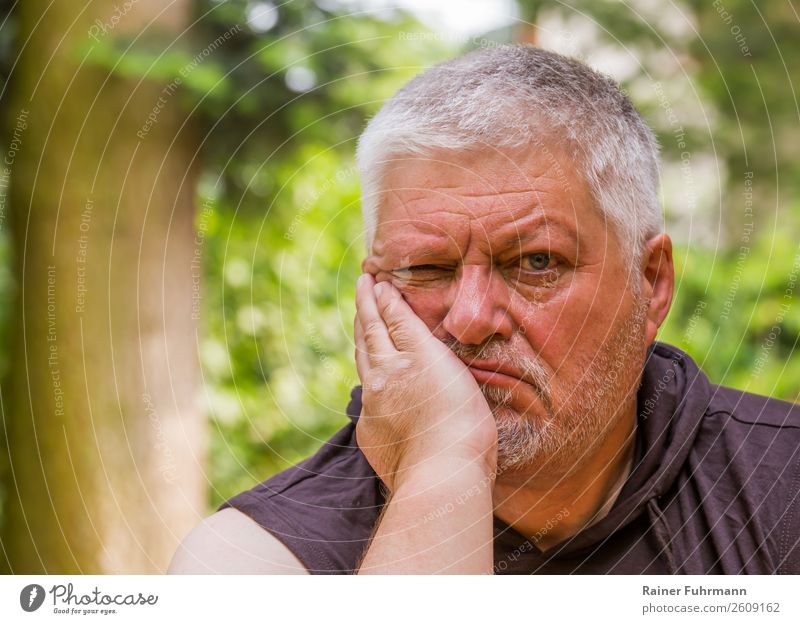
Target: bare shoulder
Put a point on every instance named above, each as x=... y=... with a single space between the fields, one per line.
x=229 y=542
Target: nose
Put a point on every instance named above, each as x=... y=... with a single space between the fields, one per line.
x=479 y=307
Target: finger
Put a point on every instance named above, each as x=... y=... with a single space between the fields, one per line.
x=362 y=356
x=406 y=330
x=376 y=335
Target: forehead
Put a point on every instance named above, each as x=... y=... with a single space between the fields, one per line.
x=501 y=197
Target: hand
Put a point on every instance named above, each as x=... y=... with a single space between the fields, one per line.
x=422 y=409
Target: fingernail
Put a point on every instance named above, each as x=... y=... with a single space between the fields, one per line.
x=379 y=288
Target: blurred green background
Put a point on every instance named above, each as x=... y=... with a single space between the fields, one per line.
x=267 y=101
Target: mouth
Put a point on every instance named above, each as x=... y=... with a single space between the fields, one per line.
x=496 y=374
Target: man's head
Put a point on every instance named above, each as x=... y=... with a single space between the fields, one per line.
x=511 y=196
x=521 y=96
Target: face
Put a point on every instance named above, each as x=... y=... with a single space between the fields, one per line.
x=505 y=258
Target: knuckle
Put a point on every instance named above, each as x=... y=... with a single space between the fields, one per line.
x=382 y=359
x=404 y=363
x=394 y=326
x=372 y=387
x=373 y=328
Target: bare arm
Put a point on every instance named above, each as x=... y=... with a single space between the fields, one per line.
x=229 y=542
x=439 y=522
x=429 y=434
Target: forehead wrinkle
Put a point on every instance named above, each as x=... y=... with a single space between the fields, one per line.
x=519 y=188
x=516 y=210
x=491 y=193
x=506 y=229
x=410 y=238
x=408 y=203
x=524 y=219
x=534 y=223
x=516 y=169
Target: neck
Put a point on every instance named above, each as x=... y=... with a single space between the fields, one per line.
x=548 y=508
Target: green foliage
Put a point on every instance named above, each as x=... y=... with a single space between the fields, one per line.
x=278 y=220
x=278 y=212
x=278 y=316
x=736 y=312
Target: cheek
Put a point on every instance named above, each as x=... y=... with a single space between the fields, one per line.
x=546 y=329
x=427 y=304
x=569 y=327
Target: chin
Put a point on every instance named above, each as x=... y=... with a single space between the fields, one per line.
x=528 y=438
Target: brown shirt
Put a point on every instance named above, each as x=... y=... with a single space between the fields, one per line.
x=714 y=487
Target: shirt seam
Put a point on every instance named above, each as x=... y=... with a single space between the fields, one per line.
x=785 y=545
x=733 y=415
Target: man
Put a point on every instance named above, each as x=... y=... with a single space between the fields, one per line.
x=516 y=414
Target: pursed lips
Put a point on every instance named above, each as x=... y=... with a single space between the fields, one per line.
x=495 y=371
x=506 y=376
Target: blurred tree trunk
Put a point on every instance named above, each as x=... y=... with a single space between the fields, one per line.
x=105 y=441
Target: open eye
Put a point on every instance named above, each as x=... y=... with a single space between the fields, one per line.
x=538 y=261
x=538 y=269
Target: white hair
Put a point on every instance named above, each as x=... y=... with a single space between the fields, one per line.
x=516 y=96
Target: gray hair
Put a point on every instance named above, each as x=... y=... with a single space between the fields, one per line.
x=513 y=96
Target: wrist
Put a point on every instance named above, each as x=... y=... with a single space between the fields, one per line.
x=455 y=473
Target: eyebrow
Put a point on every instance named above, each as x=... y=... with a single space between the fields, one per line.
x=532 y=232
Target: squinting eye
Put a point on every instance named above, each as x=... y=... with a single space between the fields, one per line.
x=422 y=267
x=419 y=272
x=538 y=261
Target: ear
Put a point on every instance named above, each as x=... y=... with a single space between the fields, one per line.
x=658 y=282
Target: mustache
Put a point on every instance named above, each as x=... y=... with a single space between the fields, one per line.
x=532 y=369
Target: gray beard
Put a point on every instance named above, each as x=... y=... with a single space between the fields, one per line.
x=581 y=419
